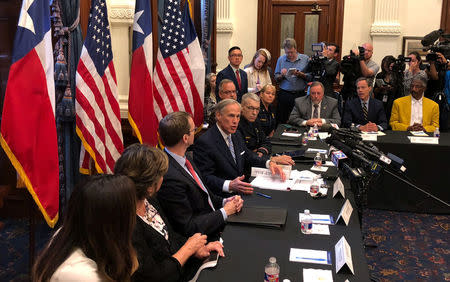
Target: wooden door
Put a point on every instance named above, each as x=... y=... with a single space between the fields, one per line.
x=307 y=22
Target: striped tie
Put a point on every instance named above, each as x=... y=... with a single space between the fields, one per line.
x=365 y=113
x=231 y=147
x=199 y=183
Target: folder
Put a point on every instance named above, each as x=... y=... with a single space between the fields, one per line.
x=261 y=216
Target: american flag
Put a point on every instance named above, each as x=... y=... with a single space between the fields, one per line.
x=140 y=100
x=28 y=129
x=97 y=106
x=179 y=75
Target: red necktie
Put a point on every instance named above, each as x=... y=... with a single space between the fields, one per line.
x=192 y=171
x=238 y=78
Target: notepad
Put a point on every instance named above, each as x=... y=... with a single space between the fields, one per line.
x=262 y=216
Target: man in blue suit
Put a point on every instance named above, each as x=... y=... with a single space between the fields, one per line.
x=234 y=73
x=222 y=156
x=366 y=113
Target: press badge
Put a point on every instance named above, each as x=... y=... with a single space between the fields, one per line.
x=385 y=97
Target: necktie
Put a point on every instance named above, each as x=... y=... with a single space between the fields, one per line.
x=192 y=171
x=238 y=78
x=231 y=147
x=316 y=111
x=365 y=113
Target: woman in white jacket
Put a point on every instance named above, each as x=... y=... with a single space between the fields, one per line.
x=257 y=73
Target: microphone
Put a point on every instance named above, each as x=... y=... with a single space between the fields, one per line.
x=431 y=37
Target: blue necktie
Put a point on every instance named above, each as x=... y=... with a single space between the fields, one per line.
x=231 y=147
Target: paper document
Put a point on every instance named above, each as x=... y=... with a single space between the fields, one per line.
x=291 y=134
x=320 y=229
x=272 y=183
x=369 y=137
x=423 y=140
x=377 y=133
x=310 y=256
x=319 y=218
x=323 y=135
x=328 y=163
x=303 y=175
x=319 y=168
x=259 y=171
x=419 y=133
x=312 y=150
x=314 y=275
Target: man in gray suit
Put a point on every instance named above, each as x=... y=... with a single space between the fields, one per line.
x=315 y=108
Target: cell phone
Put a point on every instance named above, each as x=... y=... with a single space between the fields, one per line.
x=296 y=153
x=291 y=71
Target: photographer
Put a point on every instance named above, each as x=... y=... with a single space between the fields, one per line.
x=385 y=88
x=413 y=71
x=368 y=67
x=324 y=67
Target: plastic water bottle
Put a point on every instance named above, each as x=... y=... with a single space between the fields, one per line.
x=306 y=224
x=304 y=139
x=436 y=132
x=314 y=188
x=272 y=271
x=316 y=130
x=310 y=132
x=318 y=160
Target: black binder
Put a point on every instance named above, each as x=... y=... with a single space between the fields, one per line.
x=261 y=216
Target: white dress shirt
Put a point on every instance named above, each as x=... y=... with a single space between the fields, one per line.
x=416 y=110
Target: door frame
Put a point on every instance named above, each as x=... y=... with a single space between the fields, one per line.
x=266 y=20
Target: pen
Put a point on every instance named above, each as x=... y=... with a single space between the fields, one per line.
x=263 y=195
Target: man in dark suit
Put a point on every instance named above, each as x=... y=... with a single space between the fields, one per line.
x=366 y=113
x=185 y=198
x=234 y=73
x=221 y=154
x=315 y=108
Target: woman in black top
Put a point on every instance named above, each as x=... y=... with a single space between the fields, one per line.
x=163 y=254
x=266 y=114
x=385 y=88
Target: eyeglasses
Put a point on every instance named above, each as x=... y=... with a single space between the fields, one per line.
x=236 y=55
x=252 y=108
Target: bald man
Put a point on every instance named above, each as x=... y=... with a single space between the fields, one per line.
x=368 y=67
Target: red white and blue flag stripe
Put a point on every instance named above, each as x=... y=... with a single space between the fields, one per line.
x=179 y=75
x=97 y=102
x=28 y=129
x=140 y=100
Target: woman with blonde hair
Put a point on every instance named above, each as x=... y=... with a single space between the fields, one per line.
x=258 y=74
x=266 y=114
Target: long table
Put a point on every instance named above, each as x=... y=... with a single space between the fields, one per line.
x=427 y=167
x=248 y=248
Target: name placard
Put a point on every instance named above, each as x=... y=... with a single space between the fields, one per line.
x=424 y=140
x=338 y=188
x=346 y=212
x=343 y=255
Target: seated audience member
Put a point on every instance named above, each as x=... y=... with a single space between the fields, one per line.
x=266 y=114
x=186 y=200
x=94 y=241
x=366 y=113
x=221 y=154
x=234 y=73
x=257 y=73
x=254 y=137
x=210 y=94
x=413 y=71
x=385 y=88
x=415 y=112
x=315 y=108
x=163 y=254
x=227 y=90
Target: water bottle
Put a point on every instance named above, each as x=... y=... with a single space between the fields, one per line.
x=304 y=139
x=272 y=271
x=306 y=224
x=314 y=188
x=318 y=160
x=316 y=130
x=436 y=132
x=310 y=132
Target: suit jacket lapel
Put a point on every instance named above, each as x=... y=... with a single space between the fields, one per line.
x=308 y=108
x=323 y=107
x=181 y=169
x=237 y=152
x=223 y=147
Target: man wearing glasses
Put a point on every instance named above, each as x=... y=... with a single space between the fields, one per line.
x=234 y=73
x=290 y=74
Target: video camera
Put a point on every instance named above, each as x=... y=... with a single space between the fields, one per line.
x=351 y=70
x=428 y=42
x=317 y=61
x=399 y=64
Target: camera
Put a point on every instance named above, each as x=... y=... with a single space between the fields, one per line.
x=361 y=52
x=399 y=64
x=317 y=61
x=351 y=70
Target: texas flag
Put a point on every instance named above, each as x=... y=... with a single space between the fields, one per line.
x=140 y=102
x=28 y=130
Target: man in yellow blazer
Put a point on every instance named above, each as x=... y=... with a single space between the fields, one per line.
x=415 y=112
